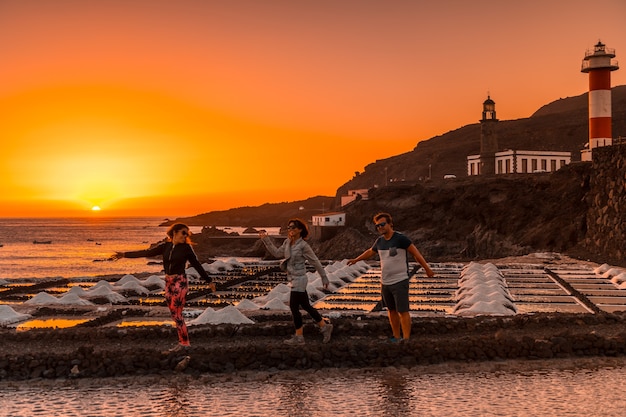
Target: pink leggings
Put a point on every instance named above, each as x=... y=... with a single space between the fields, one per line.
x=175 y=293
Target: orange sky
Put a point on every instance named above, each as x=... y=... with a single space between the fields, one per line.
x=174 y=108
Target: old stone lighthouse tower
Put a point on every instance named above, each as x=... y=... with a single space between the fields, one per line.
x=488 y=138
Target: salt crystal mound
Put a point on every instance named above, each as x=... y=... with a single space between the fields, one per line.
x=103 y=283
x=275 y=304
x=154 y=281
x=134 y=288
x=43 y=298
x=280 y=292
x=125 y=279
x=235 y=263
x=246 y=304
x=314 y=293
x=229 y=315
x=106 y=293
x=10 y=316
x=619 y=279
x=78 y=290
x=483 y=291
x=73 y=299
x=602 y=269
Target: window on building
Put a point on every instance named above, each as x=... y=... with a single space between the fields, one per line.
x=524 y=165
x=544 y=164
x=562 y=163
x=553 y=165
x=534 y=165
x=507 y=166
x=499 y=167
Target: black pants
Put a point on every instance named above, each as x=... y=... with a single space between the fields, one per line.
x=299 y=299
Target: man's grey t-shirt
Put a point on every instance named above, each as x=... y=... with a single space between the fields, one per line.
x=394 y=258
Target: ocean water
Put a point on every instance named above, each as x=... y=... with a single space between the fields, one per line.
x=79 y=246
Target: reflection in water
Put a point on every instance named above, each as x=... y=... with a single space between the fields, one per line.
x=49 y=324
x=339 y=392
x=395 y=396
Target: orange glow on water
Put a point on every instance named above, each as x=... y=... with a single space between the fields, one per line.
x=55 y=323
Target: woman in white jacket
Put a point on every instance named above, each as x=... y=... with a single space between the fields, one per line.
x=295 y=251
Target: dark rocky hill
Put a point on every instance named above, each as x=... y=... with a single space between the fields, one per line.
x=559 y=126
x=475 y=218
x=269 y=214
x=465 y=218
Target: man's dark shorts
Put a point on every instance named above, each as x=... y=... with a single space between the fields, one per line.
x=396 y=296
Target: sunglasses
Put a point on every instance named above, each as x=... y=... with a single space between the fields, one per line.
x=291 y=227
x=382 y=224
x=184 y=233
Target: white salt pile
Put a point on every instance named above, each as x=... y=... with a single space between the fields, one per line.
x=133 y=288
x=73 y=299
x=104 y=292
x=616 y=275
x=275 y=304
x=43 y=298
x=78 y=290
x=483 y=290
x=246 y=304
x=125 y=279
x=228 y=314
x=10 y=316
x=155 y=281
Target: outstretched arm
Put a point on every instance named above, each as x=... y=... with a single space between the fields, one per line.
x=147 y=253
x=420 y=259
x=267 y=241
x=365 y=255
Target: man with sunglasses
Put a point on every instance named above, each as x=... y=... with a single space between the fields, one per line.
x=394 y=249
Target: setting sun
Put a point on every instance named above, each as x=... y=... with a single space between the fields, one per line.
x=95 y=208
x=180 y=108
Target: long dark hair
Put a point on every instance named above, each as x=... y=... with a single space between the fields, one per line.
x=300 y=224
x=175 y=228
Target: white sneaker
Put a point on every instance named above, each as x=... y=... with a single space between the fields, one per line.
x=295 y=340
x=327 y=330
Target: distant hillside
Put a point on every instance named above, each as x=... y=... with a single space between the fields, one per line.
x=560 y=126
x=270 y=214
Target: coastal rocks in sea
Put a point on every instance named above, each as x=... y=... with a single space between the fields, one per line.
x=214 y=231
x=483 y=290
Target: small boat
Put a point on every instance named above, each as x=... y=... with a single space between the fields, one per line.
x=42 y=242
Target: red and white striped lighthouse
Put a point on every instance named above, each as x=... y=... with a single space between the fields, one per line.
x=599 y=63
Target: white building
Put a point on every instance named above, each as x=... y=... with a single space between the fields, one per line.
x=329 y=219
x=515 y=162
x=353 y=195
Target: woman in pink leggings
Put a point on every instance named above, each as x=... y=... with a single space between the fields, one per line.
x=176 y=252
